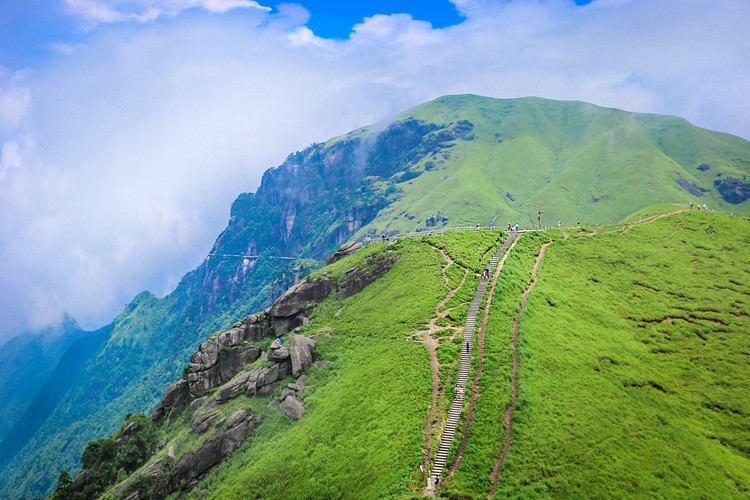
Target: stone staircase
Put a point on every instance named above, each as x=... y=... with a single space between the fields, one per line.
x=463 y=372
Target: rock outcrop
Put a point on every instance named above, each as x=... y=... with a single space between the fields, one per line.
x=222 y=357
x=192 y=467
x=221 y=370
x=344 y=250
x=357 y=278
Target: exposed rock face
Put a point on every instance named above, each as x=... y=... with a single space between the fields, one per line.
x=153 y=470
x=292 y=308
x=693 y=188
x=733 y=190
x=173 y=402
x=301 y=296
x=435 y=219
x=222 y=357
x=191 y=467
x=217 y=361
x=344 y=250
x=357 y=278
x=233 y=388
x=203 y=421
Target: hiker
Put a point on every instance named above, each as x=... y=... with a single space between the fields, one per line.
x=467 y=347
x=437 y=480
x=704 y=207
x=477 y=227
x=579 y=222
x=516 y=226
x=559 y=223
x=691 y=206
x=490 y=225
x=281 y=341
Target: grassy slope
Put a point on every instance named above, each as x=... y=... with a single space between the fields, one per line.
x=625 y=391
x=362 y=434
x=494 y=386
x=570 y=159
x=633 y=365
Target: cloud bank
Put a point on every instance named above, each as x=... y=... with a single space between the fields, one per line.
x=120 y=157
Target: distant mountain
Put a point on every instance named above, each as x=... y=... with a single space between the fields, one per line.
x=27 y=362
x=454 y=161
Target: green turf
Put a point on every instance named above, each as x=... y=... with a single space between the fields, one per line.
x=634 y=366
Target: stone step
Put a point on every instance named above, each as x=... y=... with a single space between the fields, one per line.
x=454 y=414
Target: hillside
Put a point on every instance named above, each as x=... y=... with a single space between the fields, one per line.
x=454 y=161
x=27 y=362
x=631 y=366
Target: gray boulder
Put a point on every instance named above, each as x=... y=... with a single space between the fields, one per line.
x=233 y=388
x=197 y=404
x=237 y=417
x=203 y=421
x=301 y=353
x=173 y=401
x=280 y=354
x=292 y=407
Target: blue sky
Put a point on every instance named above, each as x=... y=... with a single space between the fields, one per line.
x=127 y=127
x=335 y=19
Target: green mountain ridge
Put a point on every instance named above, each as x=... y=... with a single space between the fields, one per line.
x=27 y=362
x=458 y=160
x=632 y=366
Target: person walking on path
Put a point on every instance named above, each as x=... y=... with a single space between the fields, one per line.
x=691 y=206
x=467 y=346
x=559 y=222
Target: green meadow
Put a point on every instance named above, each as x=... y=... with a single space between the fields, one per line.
x=362 y=434
x=634 y=371
x=635 y=365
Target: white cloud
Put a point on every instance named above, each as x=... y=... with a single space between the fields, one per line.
x=121 y=157
x=10 y=157
x=111 y=11
x=14 y=97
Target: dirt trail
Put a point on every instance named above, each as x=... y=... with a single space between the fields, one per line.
x=627 y=226
x=650 y=218
x=508 y=418
x=478 y=374
x=432 y=344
